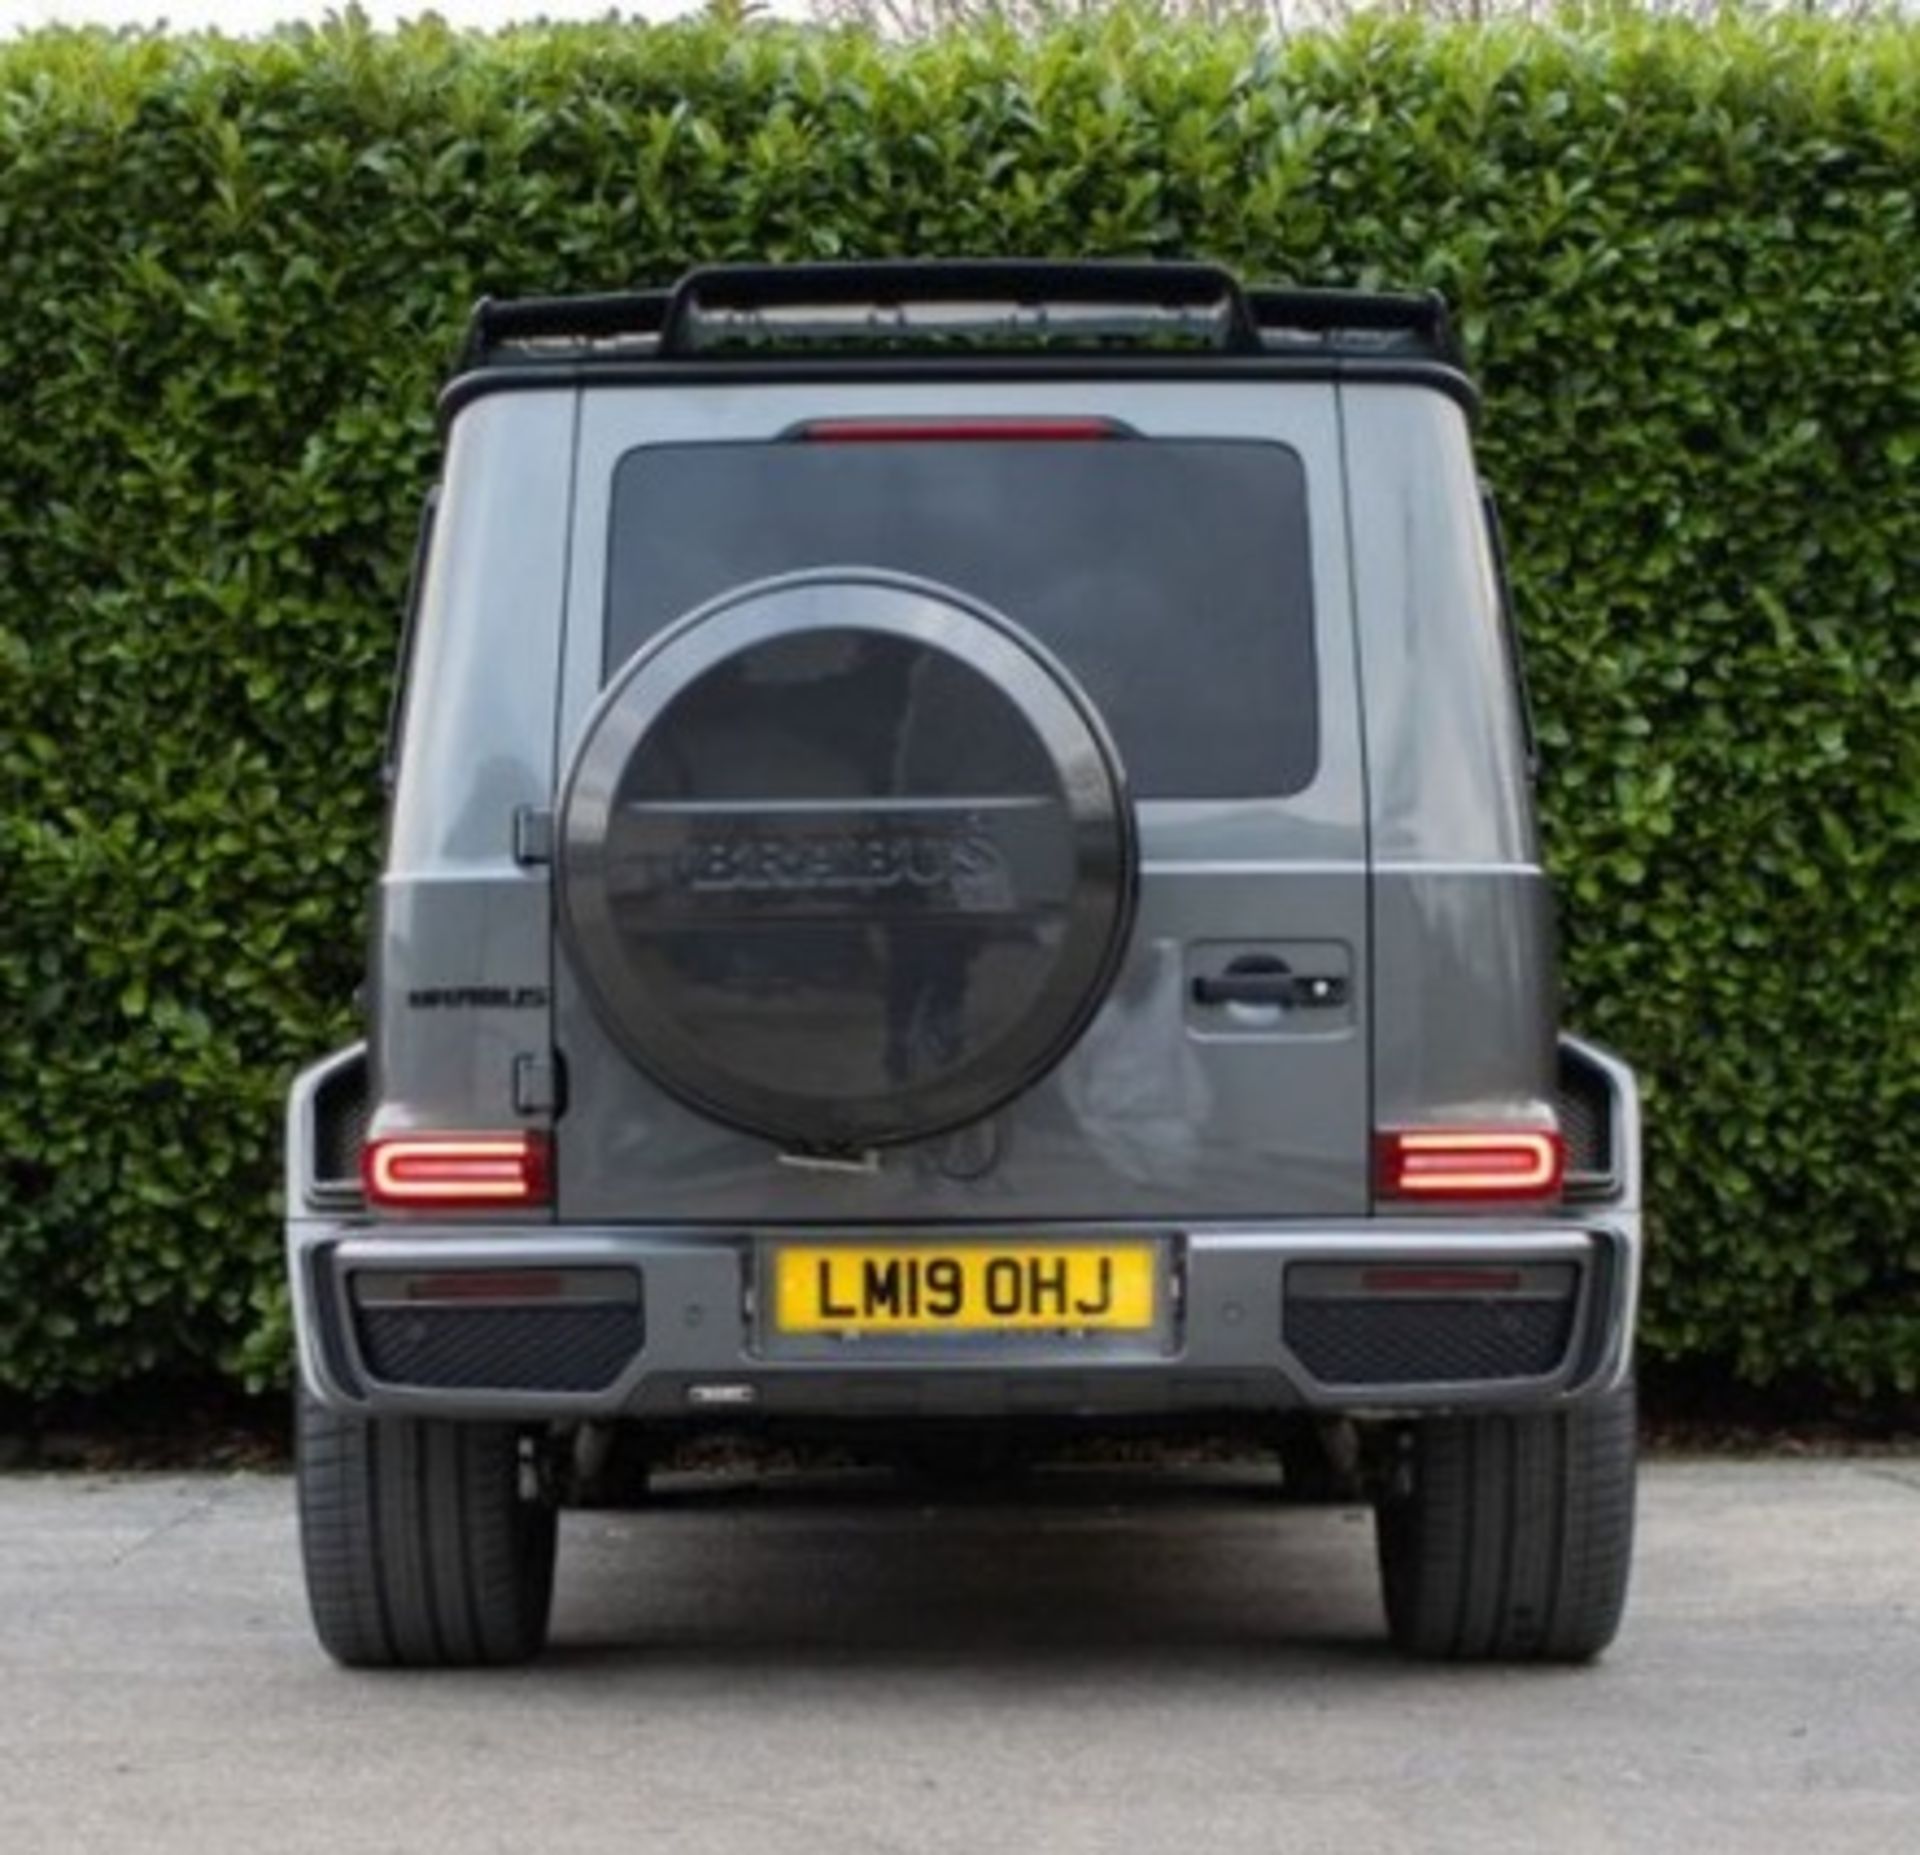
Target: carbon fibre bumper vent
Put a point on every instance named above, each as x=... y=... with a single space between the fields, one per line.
x=577 y=1341
x=1345 y=1331
x=1441 y=1342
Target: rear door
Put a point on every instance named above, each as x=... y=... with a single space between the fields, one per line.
x=1193 y=581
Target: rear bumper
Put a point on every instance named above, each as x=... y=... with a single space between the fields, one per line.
x=662 y=1324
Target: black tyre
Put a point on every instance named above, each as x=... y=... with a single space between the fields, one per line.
x=421 y=1546
x=1514 y=1538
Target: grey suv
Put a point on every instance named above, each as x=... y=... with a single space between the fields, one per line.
x=961 y=850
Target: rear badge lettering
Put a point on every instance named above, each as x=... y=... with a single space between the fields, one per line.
x=478 y=997
x=850 y=863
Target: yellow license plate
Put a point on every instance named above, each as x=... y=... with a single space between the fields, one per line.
x=964 y=1288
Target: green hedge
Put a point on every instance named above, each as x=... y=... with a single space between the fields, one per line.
x=231 y=278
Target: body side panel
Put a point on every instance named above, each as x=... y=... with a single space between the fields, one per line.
x=462 y=942
x=1466 y=989
x=1465 y=996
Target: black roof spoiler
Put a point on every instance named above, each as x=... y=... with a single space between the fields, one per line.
x=886 y=307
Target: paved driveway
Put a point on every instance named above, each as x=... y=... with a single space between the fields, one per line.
x=1191 y=1671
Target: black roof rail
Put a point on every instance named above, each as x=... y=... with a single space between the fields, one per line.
x=716 y=307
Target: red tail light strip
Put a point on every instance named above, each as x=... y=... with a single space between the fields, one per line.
x=488 y=1285
x=1471 y=1162
x=949 y=431
x=1441 y=1281
x=457 y=1172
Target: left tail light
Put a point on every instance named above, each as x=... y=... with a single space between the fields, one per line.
x=457 y=1172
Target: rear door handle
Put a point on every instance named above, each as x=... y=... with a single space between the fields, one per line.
x=1256 y=979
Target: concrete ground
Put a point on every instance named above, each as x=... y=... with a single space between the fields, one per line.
x=1184 y=1670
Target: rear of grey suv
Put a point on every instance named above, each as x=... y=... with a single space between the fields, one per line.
x=962 y=849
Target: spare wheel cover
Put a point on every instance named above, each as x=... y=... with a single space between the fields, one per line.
x=845 y=859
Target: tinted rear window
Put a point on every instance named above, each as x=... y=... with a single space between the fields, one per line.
x=1171 y=576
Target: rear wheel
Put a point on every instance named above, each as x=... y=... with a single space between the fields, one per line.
x=1512 y=1541
x=424 y=1547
